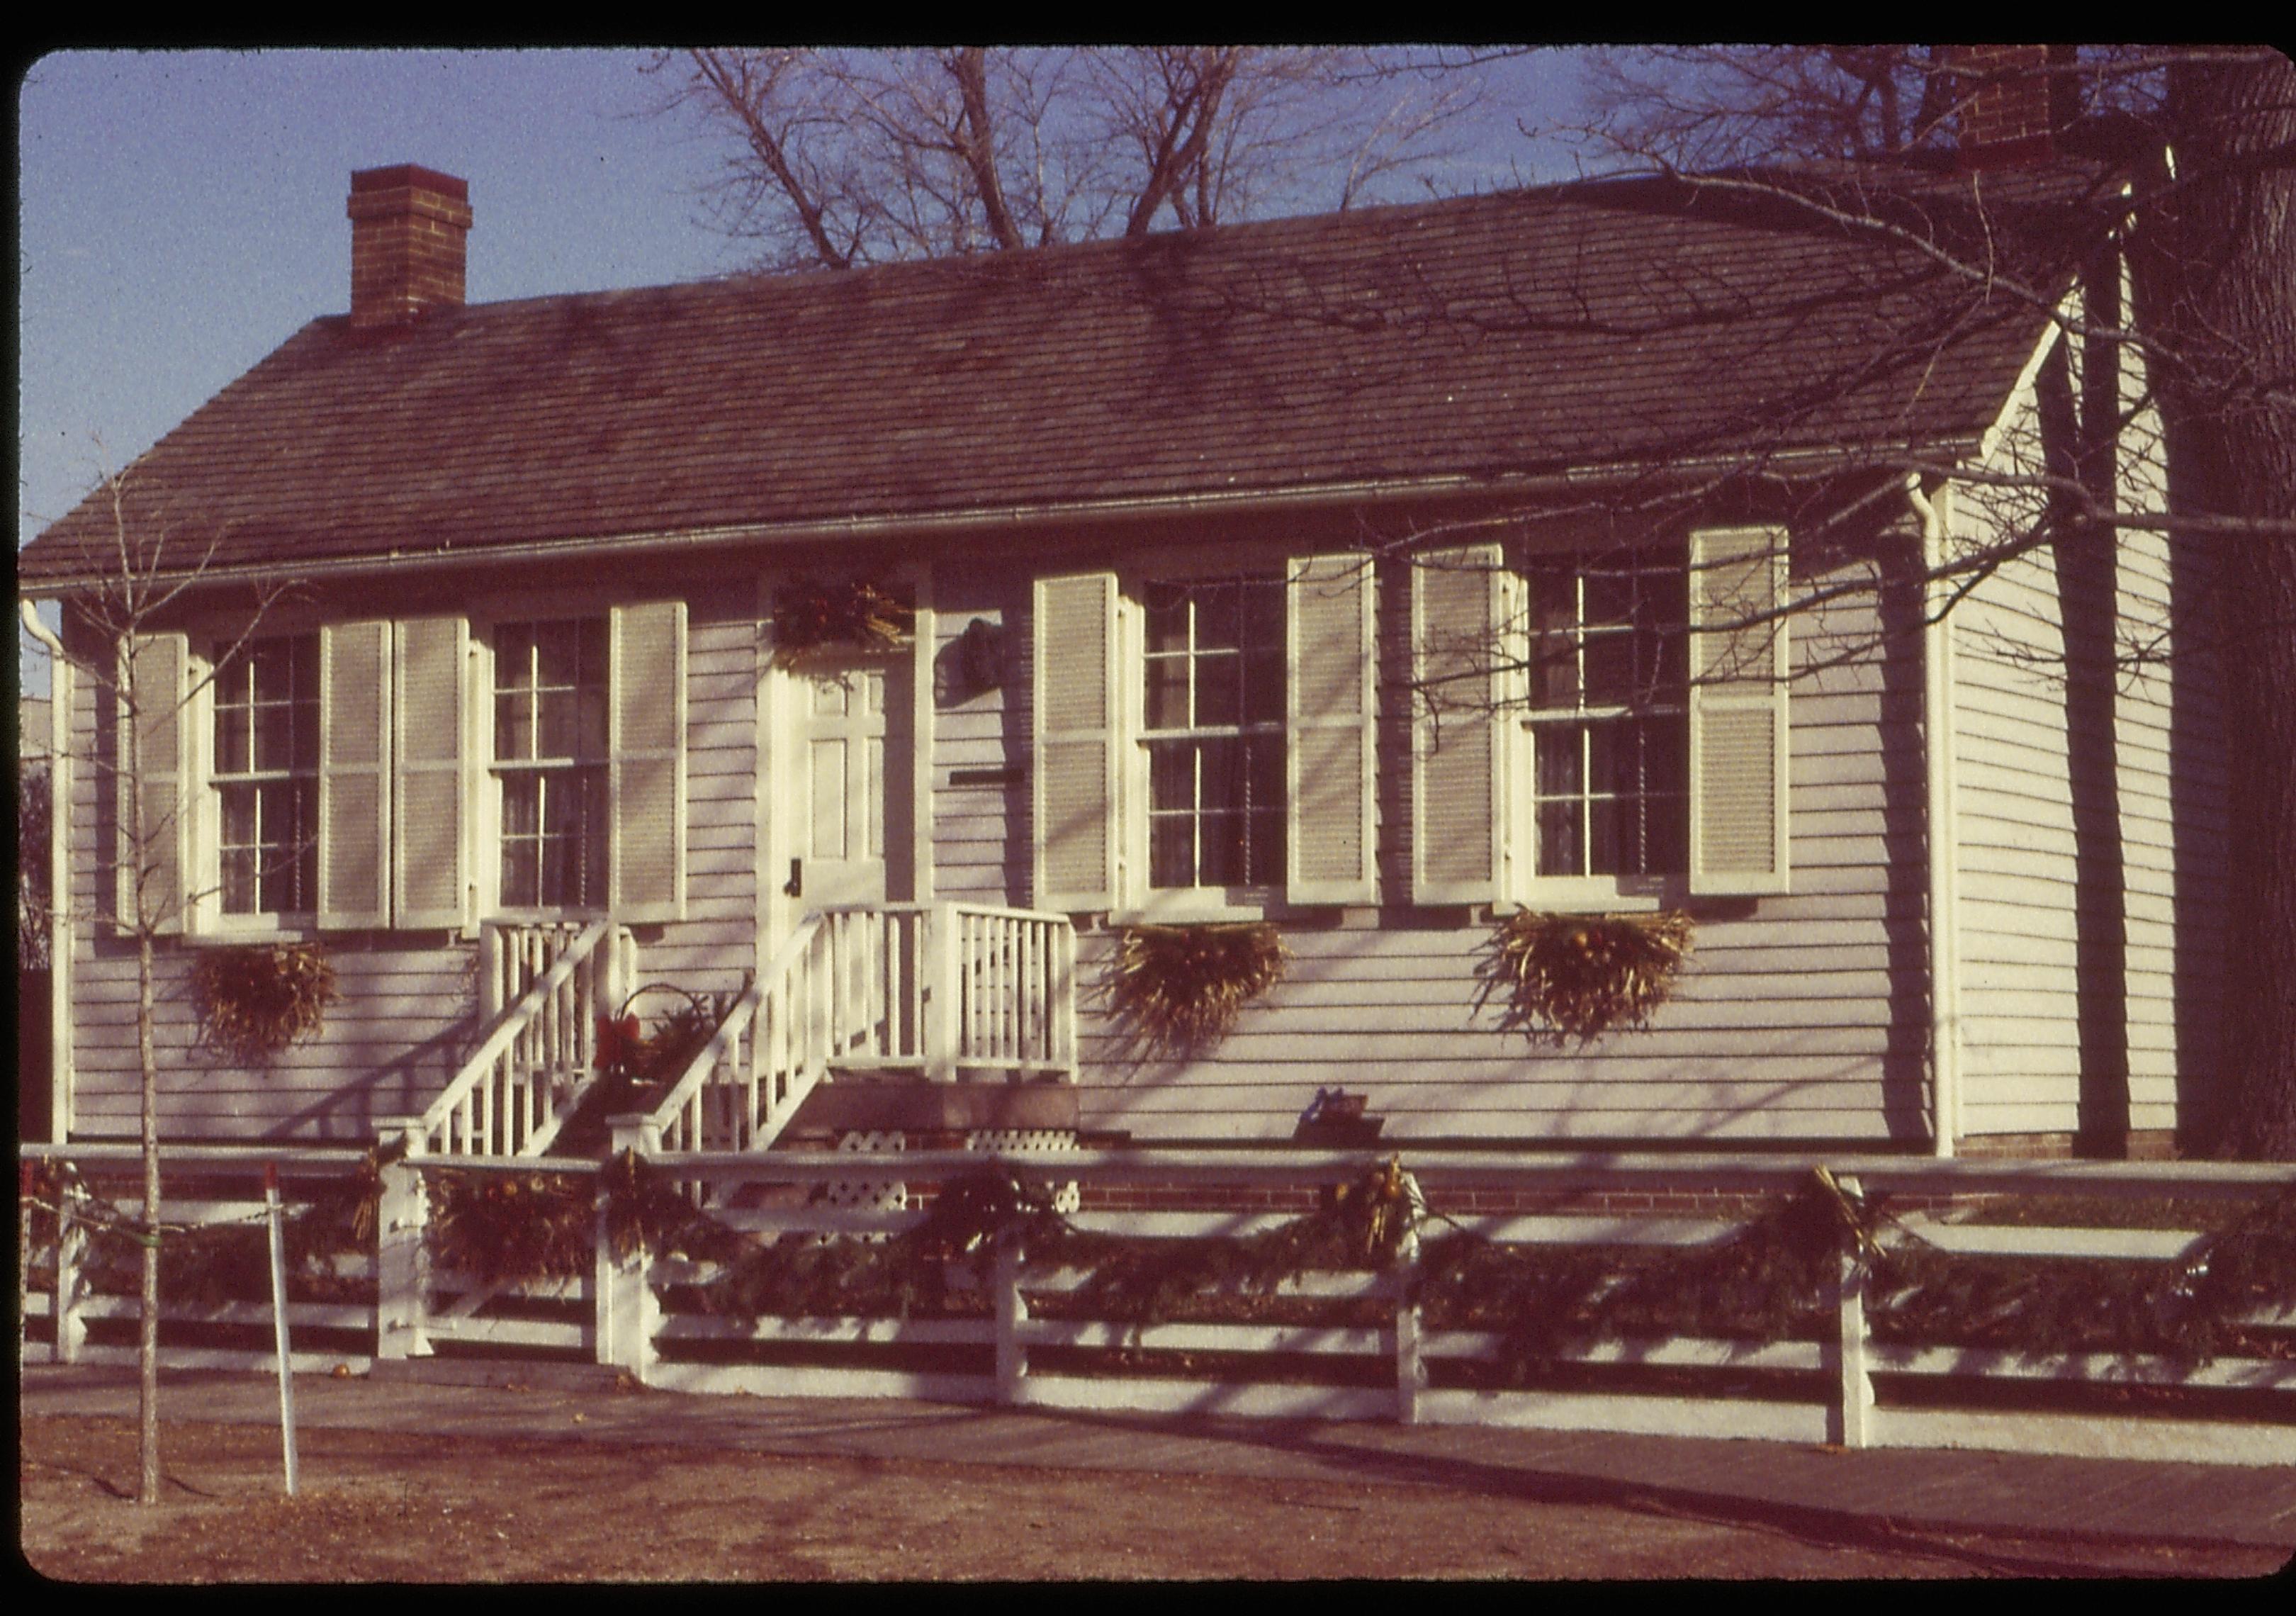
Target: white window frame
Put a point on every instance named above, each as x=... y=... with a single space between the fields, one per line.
x=1525 y=887
x=205 y=887
x=1142 y=901
x=485 y=774
x=1139 y=901
x=493 y=772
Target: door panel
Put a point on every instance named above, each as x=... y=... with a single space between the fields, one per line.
x=855 y=731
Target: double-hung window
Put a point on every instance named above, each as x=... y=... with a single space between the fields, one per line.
x=1212 y=724
x=1596 y=726
x=265 y=777
x=1204 y=742
x=1606 y=723
x=550 y=762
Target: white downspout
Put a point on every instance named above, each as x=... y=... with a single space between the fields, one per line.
x=1942 y=826
x=59 y=937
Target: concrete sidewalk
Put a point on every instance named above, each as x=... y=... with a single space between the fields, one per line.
x=1838 y=1493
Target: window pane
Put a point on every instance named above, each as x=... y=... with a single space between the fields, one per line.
x=1167 y=693
x=592 y=636
x=560 y=735
x=1219 y=616
x=1610 y=596
x=1263 y=688
x=1171 y=776
x=275 y=737
x=1266 y=848
x=557 y=655
x=1554 y=671
x=274 y=663
x=513 y=727
x=1171 y=850
x=591 y=736
x=1222 y=774
x=1168 y=617
x=239 y=816
x=230 y=740
x=522 y=805
x=1602 y=840
x=1610 y=670
x=306 y=737
x=1219 y=690
x=1558 y=772
x=513 y=656
x=1223 y=843
x=239 y=880
x=1266 y=783
x=1263 y=617
x=520 y=881
x=1558 y=837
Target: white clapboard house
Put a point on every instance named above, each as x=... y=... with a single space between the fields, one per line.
x=1377 y=576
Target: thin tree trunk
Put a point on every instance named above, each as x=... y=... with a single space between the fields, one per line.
x=147 y=1357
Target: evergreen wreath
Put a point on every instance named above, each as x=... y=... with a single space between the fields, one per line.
x=1178 y=990
x=810 y=616
x=254 y=1001
x=1560 y=977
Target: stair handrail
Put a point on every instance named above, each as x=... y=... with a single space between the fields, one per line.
x=507 y=1025
x=738 y=1019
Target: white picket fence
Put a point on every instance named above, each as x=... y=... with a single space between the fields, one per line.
x=639 y=1315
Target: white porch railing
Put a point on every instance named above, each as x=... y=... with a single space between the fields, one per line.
x=540 y=1054
x=933 y=988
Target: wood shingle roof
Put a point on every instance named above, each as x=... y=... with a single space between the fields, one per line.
x=1508 y=335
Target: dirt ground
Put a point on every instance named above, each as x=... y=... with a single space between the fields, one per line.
x=392 y=1507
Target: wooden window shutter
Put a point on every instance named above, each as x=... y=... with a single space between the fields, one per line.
x=154 y=823
x=428 y=862
x=1738 y=720
x=354 y=780
x=1330 y=730
x=645 y=858
x=1459 y=619
x=1075 y=702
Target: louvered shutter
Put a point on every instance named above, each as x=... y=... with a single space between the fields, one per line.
x=1738 y=721
x=1075 y=700
x=1457 y=757
x=1329 y=736
x=353 y=785
x=647 y=785
x=428 y=869
x=155 y=669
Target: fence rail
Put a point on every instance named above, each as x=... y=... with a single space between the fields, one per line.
x=1342 y=1344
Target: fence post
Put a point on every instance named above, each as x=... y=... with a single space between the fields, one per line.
x=1012 y=1351
x=1854 y=1392
x=627 y=1314
x=402 y=1261
x=1410 y=1367
x=944 y=993
x=71 y=1246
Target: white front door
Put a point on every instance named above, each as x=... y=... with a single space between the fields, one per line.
x=845 y=726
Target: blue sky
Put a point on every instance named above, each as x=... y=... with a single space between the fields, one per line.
x=182 y=213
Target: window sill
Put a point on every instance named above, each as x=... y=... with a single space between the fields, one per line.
x=1601 y=895
x=1201 y=908
x=245 y=930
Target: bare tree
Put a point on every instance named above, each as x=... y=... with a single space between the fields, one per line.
x=142 y=691
x=843 y=158
x=2197 y=148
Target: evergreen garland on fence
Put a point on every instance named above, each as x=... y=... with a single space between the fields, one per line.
x=1774 y=1278
x=203 y=1266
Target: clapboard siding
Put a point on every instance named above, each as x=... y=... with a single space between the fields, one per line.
x=406 y=1012
x=2086 y=912
x=1798 y=1017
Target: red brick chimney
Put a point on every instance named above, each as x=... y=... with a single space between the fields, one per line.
x=2007 y=105
x=407 y=225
